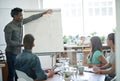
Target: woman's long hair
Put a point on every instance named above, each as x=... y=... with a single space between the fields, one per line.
x=96 y=45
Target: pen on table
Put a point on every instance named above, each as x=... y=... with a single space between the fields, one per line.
x=88 y=71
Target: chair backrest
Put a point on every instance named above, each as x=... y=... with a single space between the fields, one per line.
x=23 y=76
x=2 y=57
x=114 y=79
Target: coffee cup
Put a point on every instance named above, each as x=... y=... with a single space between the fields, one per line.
x=67 y=79
x=81 y=70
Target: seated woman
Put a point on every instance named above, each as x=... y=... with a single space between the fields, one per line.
x=96 y=56
x=110 y=73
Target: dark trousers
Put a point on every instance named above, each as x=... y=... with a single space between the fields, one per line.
x=109 y=78
x=11 y=59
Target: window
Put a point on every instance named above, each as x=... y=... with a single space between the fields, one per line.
x=102 y=8
x=84 y=19
x=110 y=11
x=104 y=11
x=90 y=11
x=97 y=11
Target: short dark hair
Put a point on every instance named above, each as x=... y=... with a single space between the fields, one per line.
x=28 y=41
x=15 y=11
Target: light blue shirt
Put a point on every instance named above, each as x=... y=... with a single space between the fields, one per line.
x=95 y=58
x=30 y=64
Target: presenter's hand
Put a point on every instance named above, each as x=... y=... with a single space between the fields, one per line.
x=49 y=11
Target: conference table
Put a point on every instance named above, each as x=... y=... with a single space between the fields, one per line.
x=87 y=76
x=104 y=47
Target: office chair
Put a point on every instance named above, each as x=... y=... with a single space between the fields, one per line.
x=23 y=76
x=2 y=57
x=114 y=79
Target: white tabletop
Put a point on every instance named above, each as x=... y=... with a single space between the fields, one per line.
x=55 y=78
x=87 y=76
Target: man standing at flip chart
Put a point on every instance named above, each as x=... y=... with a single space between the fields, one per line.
x=13 y=36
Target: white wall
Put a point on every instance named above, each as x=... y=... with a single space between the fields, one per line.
x=118 y=39
x=4 y=19
x=5 y=8
x=25 y=4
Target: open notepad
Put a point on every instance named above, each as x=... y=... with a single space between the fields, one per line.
x=90 y=70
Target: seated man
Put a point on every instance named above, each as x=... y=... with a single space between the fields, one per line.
x=29 y=63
